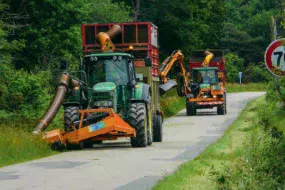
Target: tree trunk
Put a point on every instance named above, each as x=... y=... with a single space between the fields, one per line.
x=136 y=8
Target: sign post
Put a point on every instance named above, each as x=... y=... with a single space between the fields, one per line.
x=240 y=76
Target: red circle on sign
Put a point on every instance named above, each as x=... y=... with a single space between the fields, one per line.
x=270 y=64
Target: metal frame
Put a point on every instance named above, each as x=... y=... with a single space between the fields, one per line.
x=114 y=127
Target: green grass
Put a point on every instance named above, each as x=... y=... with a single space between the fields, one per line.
x=17 y=145
x=201 y=173
x=279 y=121
x=250 y=87
x=171 y=103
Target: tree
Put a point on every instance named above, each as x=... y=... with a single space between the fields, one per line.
x=53 y=29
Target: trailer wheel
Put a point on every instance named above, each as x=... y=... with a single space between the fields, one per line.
x=157 y=128
x=190 y=109
x=221 y=110
x=138 y=120
x=150 y=127
x=71 y=115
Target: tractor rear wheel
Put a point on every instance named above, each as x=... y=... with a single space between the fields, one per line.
x=157 y=128
x=138 y=120
x=71 y=115
x=190 y=109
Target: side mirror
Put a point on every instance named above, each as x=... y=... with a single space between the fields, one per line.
x=63 y=65
x=148 y=62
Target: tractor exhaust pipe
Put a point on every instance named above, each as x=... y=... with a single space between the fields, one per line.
x=55 y=104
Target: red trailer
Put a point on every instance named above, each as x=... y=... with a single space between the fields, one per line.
x=142 y=36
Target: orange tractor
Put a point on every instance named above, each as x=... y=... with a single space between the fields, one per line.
x=204 y=87
x=208 y=80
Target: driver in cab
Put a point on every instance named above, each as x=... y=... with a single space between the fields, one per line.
x=207 y=79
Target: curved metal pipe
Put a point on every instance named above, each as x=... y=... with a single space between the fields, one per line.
x=105 y=37
x=208 y=58
x=55 y=104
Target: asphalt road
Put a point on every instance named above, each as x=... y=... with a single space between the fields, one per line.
x=115 y=165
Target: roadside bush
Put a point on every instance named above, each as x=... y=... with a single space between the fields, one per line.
x=261 y=161
x=25 y=96
x=234 y=65
x=253 y=73
x=256 y=73
x=276 y=91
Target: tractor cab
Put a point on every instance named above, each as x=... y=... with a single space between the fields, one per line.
x=205 y=75
x=204 y=78
x=111 y=76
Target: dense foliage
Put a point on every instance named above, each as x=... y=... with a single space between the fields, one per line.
x=35 y=36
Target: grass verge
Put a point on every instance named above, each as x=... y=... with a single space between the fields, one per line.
x=17 y=145
x=171 y=103
x=200 y=173
x=250 y=155
x=250 y=87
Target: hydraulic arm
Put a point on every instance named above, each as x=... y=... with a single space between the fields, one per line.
x=176 y=60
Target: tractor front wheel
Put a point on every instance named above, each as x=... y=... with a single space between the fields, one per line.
x=221 y=110
x=138 y=120
x=190 y=109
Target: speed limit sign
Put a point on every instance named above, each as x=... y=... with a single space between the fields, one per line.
x=275 y=57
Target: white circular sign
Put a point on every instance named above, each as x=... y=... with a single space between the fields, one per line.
x=275 y=57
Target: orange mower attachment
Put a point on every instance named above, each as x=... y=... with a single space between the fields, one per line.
x=107 y=126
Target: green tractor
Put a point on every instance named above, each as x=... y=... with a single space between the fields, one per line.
x=107 y=99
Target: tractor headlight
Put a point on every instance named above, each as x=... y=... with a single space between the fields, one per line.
x=214 y=96
x=93 y=58
x=104 y=103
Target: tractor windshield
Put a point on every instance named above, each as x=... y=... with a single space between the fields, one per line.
x=108 y=70
x=205 y=76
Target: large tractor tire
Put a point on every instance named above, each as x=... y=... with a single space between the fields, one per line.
x=71 y=115
x=190 y=109
x=138 y=120
x=157 y=128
